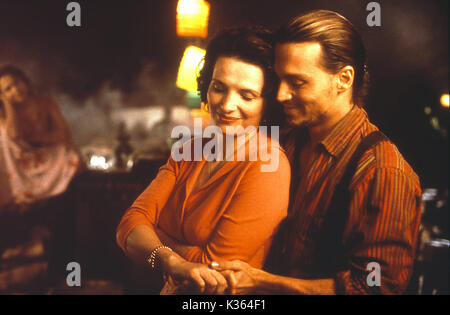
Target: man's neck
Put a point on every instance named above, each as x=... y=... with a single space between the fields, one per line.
x=319 y=132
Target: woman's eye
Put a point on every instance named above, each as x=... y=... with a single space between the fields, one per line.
x=248 y=97
x=217 y=88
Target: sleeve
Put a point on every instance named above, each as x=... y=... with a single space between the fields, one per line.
x=385 y=233
x=255 y=210
x=147 y=207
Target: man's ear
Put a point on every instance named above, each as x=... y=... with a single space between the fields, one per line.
x=345 y=78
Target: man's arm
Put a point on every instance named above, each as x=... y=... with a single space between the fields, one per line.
x=388 y=228
x=249 y=280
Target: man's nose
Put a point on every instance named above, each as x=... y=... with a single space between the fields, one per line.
x=283 y=93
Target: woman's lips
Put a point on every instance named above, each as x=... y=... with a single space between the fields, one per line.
x=227 y=119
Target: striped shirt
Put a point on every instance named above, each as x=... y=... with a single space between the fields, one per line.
x=380 y=225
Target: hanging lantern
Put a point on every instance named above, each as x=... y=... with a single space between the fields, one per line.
x=445 y=100
x=192 y=18
x=190 y=65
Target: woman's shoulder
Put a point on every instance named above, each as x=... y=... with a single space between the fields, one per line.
x=45 y=100
x=271 y=157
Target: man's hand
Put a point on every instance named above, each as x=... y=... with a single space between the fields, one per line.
x=241 y=277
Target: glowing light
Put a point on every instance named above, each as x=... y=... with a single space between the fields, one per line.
x=190 y=65
x=97 y=162
x=445 y=100
x=192 y=18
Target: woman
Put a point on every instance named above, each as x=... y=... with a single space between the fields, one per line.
x=195 y=212
x=37 y=164
x=36 y=153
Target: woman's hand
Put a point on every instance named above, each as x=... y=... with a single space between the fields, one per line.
x=241 y=277
x=202 y=278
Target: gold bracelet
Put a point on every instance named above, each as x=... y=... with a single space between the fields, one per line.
x=151 y=260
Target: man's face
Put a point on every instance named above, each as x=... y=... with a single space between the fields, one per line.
x=13 y=90
x=307 y=92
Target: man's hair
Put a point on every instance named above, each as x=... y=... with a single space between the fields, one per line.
x=340 y=42
x=15 y=72
x=254 y=45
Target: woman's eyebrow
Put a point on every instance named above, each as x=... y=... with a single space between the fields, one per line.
x=213 y=80
x=255 y=93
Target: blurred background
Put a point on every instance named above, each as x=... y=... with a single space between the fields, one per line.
x=115 y=77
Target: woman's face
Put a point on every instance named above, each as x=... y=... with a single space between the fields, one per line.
x=234 y=93
x=13 y=90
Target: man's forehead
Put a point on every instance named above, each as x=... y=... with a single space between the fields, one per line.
x=304 y=53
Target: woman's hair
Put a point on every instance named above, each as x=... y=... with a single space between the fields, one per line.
x=340 y=42
x=15 y=72
x=254 y=45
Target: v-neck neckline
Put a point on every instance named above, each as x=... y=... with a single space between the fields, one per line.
x=224 y=169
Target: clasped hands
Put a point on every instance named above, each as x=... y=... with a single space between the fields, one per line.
x=184 y=277
x=228 y=277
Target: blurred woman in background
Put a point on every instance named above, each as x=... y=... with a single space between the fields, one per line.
x=37 y=163
x=36 y=150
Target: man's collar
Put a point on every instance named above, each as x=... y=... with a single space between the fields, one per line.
x=344 y=131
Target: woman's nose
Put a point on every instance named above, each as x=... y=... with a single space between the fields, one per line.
x=230 y=102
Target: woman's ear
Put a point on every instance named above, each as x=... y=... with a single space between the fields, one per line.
x=345 y=78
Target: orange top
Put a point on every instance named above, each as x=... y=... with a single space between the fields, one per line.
x=232 y=215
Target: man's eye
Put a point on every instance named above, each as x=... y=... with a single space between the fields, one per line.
x=297 y=84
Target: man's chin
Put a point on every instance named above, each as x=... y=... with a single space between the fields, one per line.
x=296 y=122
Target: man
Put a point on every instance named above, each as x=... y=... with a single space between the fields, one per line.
x=336 y=229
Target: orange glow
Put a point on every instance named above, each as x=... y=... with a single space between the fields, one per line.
x=445 y=100
x=191 y=63
x=200 y=113
x=192 y=18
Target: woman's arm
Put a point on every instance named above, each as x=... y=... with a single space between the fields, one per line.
x=11 y=121
x=136 y=235
x=143 y=240
x=178 y=247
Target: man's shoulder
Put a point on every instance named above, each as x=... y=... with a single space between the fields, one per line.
x=383 y=156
